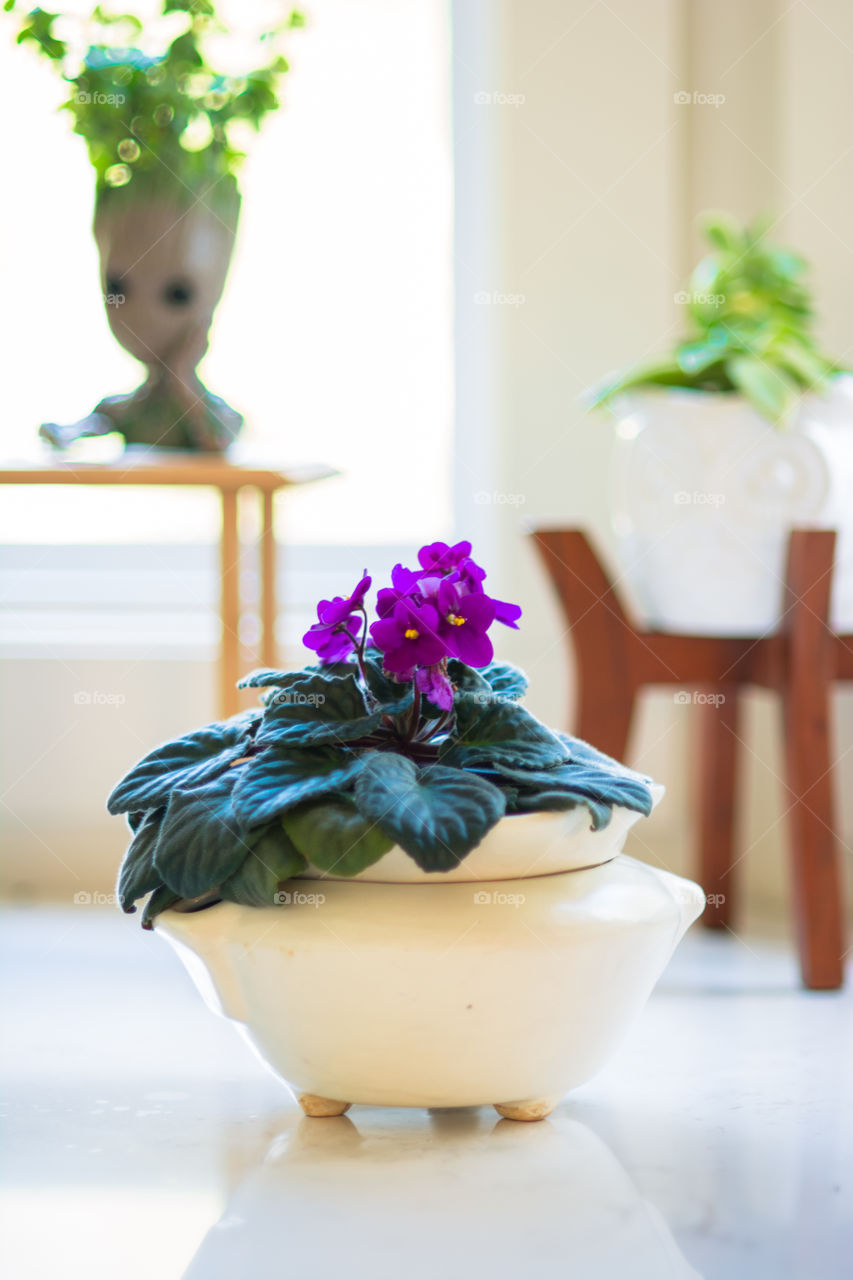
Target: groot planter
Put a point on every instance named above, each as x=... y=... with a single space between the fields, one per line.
x=160 y=132
x=163 y=268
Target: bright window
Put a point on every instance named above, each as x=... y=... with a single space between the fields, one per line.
x=334 y=336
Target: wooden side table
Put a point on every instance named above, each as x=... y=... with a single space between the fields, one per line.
x=616 y=659
x=228 y=478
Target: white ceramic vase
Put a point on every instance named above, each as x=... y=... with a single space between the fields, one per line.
x=510 y=988
x=705 y=494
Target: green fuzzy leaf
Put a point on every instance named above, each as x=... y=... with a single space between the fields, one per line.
x=160 y=900
x=580 y=782
x=335 y=837
x=394 y=697
x=273 y=859
x=502 y=678
x=138 y=874
x=266 y=676
x=436 y=814
x=202 y=841
x=183 y=763
x=282 y=777
x=491 y=733
x=317 y=708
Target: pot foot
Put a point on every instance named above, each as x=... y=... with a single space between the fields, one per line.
x=534 y=1109
x=313 y=1105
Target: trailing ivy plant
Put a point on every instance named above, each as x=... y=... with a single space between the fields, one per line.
x=169 y=117
x=404 y=732
x=752 y=328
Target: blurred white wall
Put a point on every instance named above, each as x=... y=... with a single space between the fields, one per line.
x=580 y=226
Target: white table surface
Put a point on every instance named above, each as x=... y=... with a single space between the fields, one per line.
x=143 y=1140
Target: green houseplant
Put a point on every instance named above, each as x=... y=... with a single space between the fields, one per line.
x=403 y=887
x=166 y=131
x=744 y=431
x=405 y=732
x=752 y=323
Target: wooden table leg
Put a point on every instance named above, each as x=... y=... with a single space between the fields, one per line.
x=716 y=762
x=229 y=568
x=269 y=607
x=806 y=691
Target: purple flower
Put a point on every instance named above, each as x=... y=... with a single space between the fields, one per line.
x=439 y=558
x=465 y=619
x=409 y=638
x=405 y=583
x=434 y=684
x=328 y=637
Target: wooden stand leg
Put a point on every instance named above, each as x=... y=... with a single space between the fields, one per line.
x=814 y=847
x=229 y=569
x=604 y=640
x=717 y=762
x=269 y=609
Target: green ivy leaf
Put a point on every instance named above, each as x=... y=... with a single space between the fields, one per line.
x=335 y=837
x=436 y=814
x=183 y=763
x=317 y=708
x=138 y=875
x=771 y=392
x=273 y=859
x=493 y=733
x=202 y=841
x=282 y=777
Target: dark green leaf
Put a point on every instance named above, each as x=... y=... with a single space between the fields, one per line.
x=272 y=860
x=436 y=814
x=493 y=733
x=502 y=678
x=282 y=777
x=580 y=782
x=393 y=697
x=138 y=875
x=266 y=676
x=201 y=842
x=160 y=900
x=334 y=837
x=317 y=708
x=182 y=763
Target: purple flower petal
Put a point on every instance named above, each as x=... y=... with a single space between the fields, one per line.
x=470 y=646
x=508 y=614
x=435 y=685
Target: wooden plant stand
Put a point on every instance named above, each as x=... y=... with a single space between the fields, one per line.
x=800 y=661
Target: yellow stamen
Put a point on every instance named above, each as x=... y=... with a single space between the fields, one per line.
x=455 y=620
x=411 y=634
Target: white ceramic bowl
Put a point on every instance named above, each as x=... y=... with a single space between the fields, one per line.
x=526 y=844
x=441 y=994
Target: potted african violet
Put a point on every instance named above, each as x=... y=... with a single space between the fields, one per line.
x=742 y=433
x=406 y=888
x=165 y=128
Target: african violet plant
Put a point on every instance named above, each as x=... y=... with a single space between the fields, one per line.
x=752 y=322
x=404 y=732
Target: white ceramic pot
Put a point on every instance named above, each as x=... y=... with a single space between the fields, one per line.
x=507 y=991
x=705 y=494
